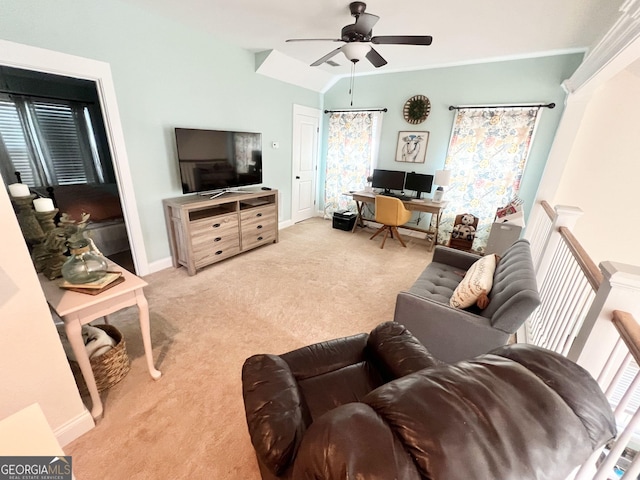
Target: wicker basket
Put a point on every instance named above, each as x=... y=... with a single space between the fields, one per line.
x=108 y=368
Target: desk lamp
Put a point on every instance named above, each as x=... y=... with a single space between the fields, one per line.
x=442 y=179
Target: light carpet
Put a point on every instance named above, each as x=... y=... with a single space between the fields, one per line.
x=316 y=284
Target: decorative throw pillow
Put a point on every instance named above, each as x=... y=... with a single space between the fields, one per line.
x=477 y=281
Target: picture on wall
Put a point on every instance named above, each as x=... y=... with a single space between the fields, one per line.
x=412 y=147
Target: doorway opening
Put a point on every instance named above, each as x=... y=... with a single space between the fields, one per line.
x=99 y=73
x=53 y=139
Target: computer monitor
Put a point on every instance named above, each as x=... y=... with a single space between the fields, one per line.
x=388 y=180
x=418 y=182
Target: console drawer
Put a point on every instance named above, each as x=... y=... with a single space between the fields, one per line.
x=254 y=239
x=257 y=220
x=258 y=226
x=209 y=249
x=215 y=225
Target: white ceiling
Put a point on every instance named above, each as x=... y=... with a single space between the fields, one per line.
x=464 y=31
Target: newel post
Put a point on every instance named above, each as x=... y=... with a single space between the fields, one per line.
x=619 y=290
x=566 y=216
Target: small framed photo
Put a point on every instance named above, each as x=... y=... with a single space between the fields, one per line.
x=412 y=147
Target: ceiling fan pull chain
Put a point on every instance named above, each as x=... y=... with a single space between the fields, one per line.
x=351 y=85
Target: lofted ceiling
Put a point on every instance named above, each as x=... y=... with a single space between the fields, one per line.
x=464 y=31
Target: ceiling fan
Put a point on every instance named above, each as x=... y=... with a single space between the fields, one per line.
x=358 y=38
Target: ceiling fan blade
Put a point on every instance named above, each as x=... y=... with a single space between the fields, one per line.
x=365 y=22
x=314 y=40
x=320 y=61
x=402 y=40
x=376 y=59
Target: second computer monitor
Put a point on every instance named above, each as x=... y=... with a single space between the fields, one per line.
x=418 y=182
x=388 y=180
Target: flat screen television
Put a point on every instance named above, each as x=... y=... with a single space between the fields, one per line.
x=388 y=180
x=217 y=160
x=418 y=182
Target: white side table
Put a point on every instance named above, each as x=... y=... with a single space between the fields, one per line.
x=77 y=309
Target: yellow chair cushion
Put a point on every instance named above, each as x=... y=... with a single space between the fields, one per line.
x=391 y=211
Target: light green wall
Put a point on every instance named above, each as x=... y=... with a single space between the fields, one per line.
x=169 y=75
x=165 y=75
x=535 y=80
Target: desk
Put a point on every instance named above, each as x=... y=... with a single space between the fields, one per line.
x=77 y=309
x=427 y=206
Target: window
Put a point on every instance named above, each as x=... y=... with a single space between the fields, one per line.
x=487 y=155
x=351 y=152
x=49 y=142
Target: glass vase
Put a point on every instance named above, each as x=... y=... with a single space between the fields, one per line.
x=83 y=266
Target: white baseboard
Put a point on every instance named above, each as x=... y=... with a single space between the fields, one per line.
x=74 y=428
x=160 y=265
x=285 y=224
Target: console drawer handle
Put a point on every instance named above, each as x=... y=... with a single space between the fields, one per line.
x=259 y=227
x=215 y=225
x=259 y=238
x=218 y=252
x=258 y=214
x=217 y=239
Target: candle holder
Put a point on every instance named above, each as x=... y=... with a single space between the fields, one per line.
x=41 y=254
x=55 y=247
x=29 y=224
x=57 y=239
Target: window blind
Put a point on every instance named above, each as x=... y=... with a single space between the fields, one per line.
x=48 y=142
x=15 y=148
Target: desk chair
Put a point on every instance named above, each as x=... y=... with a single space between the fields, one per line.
x=391 y=213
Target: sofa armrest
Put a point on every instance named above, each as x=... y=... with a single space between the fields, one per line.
x=449 y=334
x=454 y=258
x=273 y=407
x=399 y=352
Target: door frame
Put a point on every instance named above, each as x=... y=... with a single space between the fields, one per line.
x=310 y=112
x=48 y=61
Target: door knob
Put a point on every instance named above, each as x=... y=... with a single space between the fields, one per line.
x=297 y=177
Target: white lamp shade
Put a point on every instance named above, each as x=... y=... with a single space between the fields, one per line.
x=442 y=178
x=356 y=51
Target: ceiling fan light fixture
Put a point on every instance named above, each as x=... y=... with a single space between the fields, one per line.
x=356 y=51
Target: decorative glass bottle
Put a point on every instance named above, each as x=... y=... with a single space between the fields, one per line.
x=83 y=266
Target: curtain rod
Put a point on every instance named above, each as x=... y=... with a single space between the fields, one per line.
x=542 y=105
x=355 y=110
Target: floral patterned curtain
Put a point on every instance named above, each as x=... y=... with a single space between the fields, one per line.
x=350 y=148
x=487 y=154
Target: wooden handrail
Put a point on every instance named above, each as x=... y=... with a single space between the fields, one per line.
x=551 y=213
x=589 y=268
x=629 y=331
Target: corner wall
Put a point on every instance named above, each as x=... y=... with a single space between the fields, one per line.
x=602 y=171
x=34 y=366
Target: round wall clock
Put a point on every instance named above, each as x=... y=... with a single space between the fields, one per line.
x=416 y=109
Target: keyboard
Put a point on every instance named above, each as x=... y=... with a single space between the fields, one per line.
x=399 y=196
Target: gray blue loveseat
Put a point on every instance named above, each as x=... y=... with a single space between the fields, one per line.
x=453 y=334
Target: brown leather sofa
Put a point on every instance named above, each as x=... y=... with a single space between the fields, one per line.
x=378 y=406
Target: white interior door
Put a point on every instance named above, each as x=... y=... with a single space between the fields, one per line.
x=306 y=127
